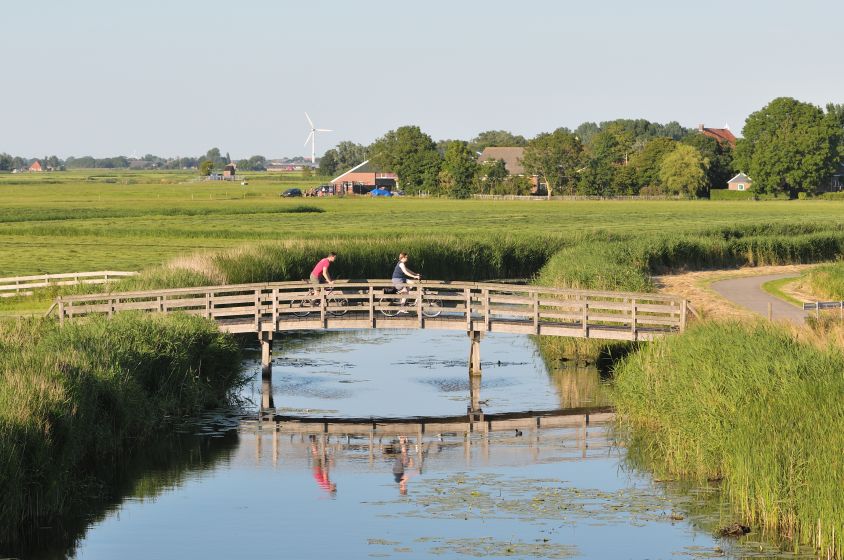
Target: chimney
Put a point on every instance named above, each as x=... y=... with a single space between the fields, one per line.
x=700 y=128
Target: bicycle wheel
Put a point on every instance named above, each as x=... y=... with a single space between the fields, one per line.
x=333 y=301
x=302 y=306
x=432 y=307
x=393 y=309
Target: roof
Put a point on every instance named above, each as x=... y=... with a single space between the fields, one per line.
x=364 y=167
x=740 y=178
x=720 y=134
x=512 y=157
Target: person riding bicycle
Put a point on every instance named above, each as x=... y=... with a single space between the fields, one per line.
x=401 y=275
x=319 y=275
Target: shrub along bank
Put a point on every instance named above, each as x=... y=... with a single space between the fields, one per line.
x=76 y=395
x=763 y=411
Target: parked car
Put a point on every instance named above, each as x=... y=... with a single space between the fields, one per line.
x=291 y=192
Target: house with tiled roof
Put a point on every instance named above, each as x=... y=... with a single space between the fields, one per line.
x=740 y=182
x=720 y=134
x=363 y=178
x=512 y=158
x=36 y=167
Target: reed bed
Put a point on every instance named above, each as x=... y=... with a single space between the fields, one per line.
x=763 y=412
x=72 y=396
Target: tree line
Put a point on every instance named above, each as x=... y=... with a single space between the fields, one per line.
x=788 y=146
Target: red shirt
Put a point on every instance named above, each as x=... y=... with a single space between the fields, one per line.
x=320 y=266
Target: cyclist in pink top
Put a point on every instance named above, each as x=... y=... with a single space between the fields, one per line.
x=320 y=272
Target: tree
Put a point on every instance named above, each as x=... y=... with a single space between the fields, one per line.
x=496 y=138
x=412 y=155
x=205 y=167
x=554 y=157
x=719 y=155
x=328 y=163
x=646 y=164
x=490 y=176
x=350 y=155
x=683 y=171
x=607 y=152
x=458 y=170
x=5 y=162
x=790 y=146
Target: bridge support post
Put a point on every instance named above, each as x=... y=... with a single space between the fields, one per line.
x=475 y=412
x=267 y=393
x=266 y=339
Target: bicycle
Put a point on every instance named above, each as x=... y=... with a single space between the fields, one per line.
x=431 y=306
x=309 y=303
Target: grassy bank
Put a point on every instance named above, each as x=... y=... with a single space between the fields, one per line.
x=827 y=281
x=72 y=396
x=764 y=413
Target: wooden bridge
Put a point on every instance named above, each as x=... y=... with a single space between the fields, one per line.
x=471 y=307
x=369 y=304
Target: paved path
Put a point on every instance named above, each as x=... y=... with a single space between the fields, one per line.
x=748 y=293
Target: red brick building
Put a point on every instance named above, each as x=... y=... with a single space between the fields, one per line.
x=720 y=134
x=740 y=182
x=363 y=178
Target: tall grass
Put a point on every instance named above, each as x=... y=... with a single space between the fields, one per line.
x=753 y=404
x=827 y=281
x=444 y=258
x=72 y=396
x=627 y=264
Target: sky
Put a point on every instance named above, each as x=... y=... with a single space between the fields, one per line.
x=175 y=78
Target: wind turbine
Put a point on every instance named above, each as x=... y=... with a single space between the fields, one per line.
x=312 y=137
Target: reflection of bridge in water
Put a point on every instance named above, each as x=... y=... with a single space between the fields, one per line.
x=471 y=307
x=573 y=433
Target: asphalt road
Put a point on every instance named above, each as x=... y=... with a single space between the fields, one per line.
x=748 y=293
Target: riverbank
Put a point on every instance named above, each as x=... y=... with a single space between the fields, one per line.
x=763 y=413
x=74 y=396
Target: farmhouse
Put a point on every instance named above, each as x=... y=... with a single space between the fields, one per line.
x=740 y=182
x=512 y=158
x=363 y=178
x=720 y=134
x=36 y=167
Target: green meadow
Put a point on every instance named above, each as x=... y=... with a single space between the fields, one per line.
x=76 y=221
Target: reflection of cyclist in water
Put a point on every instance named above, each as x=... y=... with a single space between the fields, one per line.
x=321 y=463
x=400 y=465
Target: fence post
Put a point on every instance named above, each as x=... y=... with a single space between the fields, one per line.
x=467 y=293
x=322 y=302
x=208 y=305
x=485 y=295
x=419 y=305
x=633 y=318
x=683 y=315
x=257 y=309
x=275 y=309
x=372 y=307
x=535 y=312
x=584 y=321
x=61 y=311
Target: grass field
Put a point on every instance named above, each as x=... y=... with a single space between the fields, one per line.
x=74 y=221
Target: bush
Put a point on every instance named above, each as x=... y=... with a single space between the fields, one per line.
x=726 y=194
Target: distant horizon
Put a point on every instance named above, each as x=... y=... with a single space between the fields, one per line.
x=95 y=83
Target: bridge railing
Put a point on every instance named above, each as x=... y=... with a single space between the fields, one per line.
x=362 y=304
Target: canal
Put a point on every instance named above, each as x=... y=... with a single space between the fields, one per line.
x=227 y=485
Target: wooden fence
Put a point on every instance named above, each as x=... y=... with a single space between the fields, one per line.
x=24 y=285
x=368 y=304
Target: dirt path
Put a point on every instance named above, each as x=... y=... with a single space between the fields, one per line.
x=698 y=288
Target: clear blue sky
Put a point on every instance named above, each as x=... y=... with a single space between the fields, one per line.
x=106 y=77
